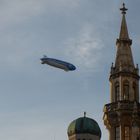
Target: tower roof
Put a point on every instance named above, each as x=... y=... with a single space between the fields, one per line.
x=124 y=58
x=84 y=125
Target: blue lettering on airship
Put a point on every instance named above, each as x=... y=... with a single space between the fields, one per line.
x=58 y=63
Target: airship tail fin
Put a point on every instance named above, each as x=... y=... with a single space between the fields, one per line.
x=45 y=56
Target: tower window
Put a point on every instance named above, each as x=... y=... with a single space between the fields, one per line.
x=117 y=92
x=134 y=91
x=117 y=133
x=126 y=90
x=127 y=133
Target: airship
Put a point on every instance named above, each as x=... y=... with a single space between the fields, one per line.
x=58 y=63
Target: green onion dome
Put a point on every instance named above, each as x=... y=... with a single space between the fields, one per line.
x=84 y=125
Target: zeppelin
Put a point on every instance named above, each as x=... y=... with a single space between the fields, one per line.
x=58 y=63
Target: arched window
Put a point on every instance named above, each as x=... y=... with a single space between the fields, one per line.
x=127 y=133
x=134 y=90
x=117 y=133
x=126 y=90
x=117 y=91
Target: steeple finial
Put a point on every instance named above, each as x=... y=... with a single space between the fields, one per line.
x=124 y=32
x=84 y=114
x=123 y=9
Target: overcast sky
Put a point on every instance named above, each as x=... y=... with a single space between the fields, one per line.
x=38 y=102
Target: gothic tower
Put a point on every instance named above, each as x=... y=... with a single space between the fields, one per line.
x=122 y=114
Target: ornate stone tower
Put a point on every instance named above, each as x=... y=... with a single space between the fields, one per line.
x=122 y=115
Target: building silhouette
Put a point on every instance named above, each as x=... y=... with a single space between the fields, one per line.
x=122 y=114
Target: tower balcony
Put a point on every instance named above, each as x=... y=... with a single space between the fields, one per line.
x=126 y=112
x=124 y=105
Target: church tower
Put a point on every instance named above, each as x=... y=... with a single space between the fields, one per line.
x=122 y=114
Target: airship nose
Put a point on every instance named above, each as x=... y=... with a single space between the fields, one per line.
x=72 y=67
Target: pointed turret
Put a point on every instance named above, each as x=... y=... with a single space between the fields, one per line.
x=124 y=58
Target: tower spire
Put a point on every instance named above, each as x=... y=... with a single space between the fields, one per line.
x=124 y=58
x=124 y=31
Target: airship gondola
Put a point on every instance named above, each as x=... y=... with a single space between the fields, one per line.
x=58 y=63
